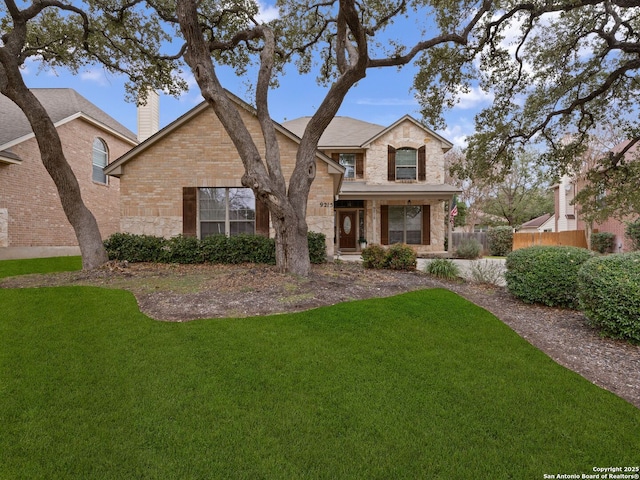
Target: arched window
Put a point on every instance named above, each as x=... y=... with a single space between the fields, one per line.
x=100 y=160
x=406 y=164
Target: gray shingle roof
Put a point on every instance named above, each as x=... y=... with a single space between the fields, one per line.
x=61 y=103
x=341 y=132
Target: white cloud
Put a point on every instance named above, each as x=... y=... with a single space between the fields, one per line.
x=96 y=75
x=474 y=98
x=267 y=12
x=458 y=131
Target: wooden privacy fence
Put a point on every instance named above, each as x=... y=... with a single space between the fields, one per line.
x=458 y=237
x=573 y=238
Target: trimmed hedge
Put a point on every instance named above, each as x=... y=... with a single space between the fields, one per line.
x=609 y=294
x=500 y=240
x=135 y=248
x=213 y=249
x=398 y=256
x=546 y=275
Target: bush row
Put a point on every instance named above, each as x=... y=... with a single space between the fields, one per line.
x=213 y=249
x=398 y=256
x=605 y=288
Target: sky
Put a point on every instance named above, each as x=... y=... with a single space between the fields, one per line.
x=383 y=97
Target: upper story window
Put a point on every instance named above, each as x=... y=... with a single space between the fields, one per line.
x=406 y=164
x=348 y=160
x=352 y=162
x=100 y=160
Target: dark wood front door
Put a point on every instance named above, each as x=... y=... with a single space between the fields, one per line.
x=347 y=229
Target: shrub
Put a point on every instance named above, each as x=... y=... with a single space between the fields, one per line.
x=182 y=249
x=250 y=249
x=602 y=242
x=609 y=294
x=135 y=248
x=401 y=257
x=500 y=240
x=317 y=247
x=469 y=248
x=487 y=272
x=633 y=233
x=215 y=249
x=374 y=256
x=442 y=268
x=546 y=275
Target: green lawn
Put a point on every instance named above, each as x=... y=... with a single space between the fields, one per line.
x=10 y=268
x=422 y=385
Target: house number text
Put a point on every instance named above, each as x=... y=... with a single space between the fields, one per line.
x=326 y=204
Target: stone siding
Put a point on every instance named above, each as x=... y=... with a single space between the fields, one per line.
x=407 y=134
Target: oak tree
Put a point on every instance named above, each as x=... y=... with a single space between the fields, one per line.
x=558 y=71
x=72 y=35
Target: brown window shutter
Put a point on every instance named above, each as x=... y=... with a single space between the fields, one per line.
x=262 y=218
x=359 y=165
x=384 y=224
x=422 y=163
x=189 y=211
x=391 y=164
x=426 y=225
x=335 y=157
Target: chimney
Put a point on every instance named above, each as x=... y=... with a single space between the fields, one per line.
x=149 y=116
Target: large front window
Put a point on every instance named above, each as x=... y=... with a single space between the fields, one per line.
x=406 y=164
x=226 y=211
x=405 y=224
x=348 y=160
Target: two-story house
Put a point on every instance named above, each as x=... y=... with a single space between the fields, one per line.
x=31 y=216
x=568 y=216
x=385 y=184
x=393 y=189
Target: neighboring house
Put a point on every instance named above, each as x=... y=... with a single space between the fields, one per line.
x=543 y=223
x=31 y=214
x=385 y=184
x=568 y=214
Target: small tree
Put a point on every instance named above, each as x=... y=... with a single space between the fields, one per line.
x=633 y=233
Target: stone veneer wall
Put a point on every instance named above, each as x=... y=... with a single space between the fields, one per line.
x=201 y=154
x=30 y=198
x=407 y=134
x=4 y=227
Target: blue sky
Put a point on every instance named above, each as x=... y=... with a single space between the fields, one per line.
x=382 y=97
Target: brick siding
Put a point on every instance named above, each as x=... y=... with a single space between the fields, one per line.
x=27 y=192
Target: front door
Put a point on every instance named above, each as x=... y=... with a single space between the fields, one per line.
x=347 y=228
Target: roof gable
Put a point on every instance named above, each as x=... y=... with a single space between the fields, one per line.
x=446 y=144
x=62 y=105
x=115 y=168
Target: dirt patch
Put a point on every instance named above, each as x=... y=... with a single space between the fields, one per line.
x=186 y=292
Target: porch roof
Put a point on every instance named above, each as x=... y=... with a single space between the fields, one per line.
x=399 y=191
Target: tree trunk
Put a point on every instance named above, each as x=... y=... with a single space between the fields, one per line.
x=292 y=247
x=82 y=220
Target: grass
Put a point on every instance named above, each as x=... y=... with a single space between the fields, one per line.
x=421 y=385
x=10 y=268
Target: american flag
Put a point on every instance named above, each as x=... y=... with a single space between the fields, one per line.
x=454 y=209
